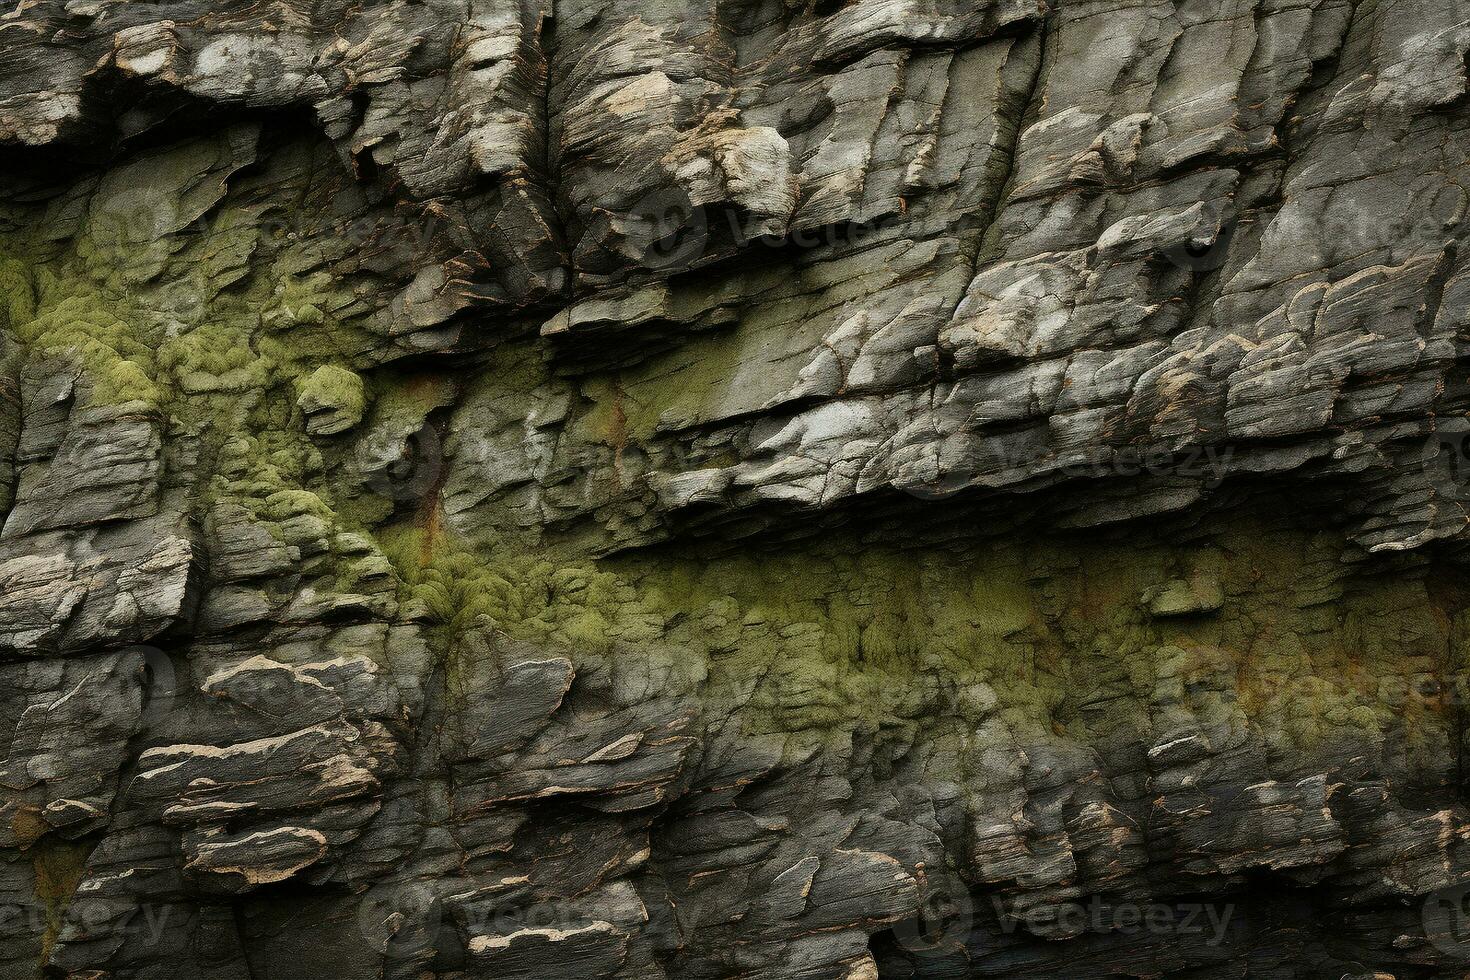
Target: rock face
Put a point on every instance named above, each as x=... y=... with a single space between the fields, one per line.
x=781 y=489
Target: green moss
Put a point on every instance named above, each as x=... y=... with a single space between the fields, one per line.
x=867 y=636
x=253 y=468
x=335 y=388
x=410 y=398
x=17 y=298
x=190 y=313
x=528 y=596
x=835 y=640
x=101 y=329
x=215 y=357
x=59 y=866
x=1048 y=636
x=210 y=321
x=127 y=381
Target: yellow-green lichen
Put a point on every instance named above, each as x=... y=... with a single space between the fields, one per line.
x=333 y=399
x=530 y=597
x=58 y=866
x=19 y=296
x=1051 y=636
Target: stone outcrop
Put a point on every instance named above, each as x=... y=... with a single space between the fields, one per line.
x=822 y=490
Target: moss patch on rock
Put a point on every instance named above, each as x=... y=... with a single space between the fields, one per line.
x=1049 y=637
x=58 y=867
x=333 y=399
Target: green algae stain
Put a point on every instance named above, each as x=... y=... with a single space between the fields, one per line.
x=17 y=293
x=530 y=597
x=166 y=284
x=174 y=293
x=58 y=866
x=1050 y=635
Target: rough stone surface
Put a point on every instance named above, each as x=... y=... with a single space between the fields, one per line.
x=776 y=489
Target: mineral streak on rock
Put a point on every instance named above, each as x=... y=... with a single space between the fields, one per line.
x=776 y=489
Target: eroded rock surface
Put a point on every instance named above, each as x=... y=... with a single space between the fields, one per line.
x=759 y=488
